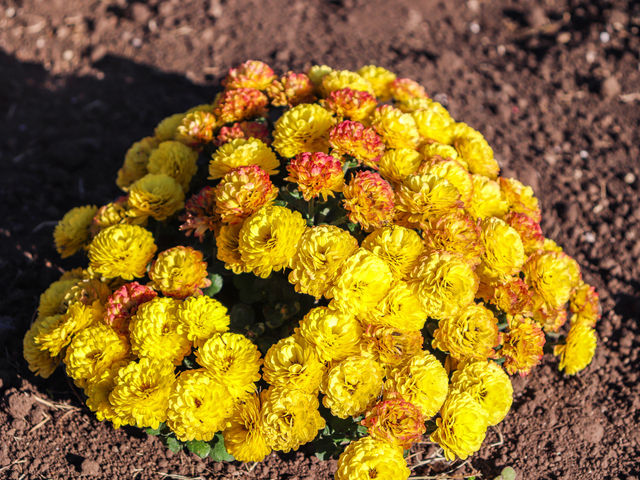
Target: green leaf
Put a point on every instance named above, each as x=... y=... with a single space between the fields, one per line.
x=153 y=431
x=216 y=285
x=199 y=447
x=173 y=444
x=362 y=430
x=508 y=473
x=218 y=451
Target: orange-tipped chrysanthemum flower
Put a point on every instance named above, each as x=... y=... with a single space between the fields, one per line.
x=369 y=200
x=200 y=216
x=317 y=174
x=240 y=104
x=354 y=139
x=124 y=303
x=290 y=90
x=522 y=345
x=352 y=104
x=197 y=128
x=395 y=421
x=404 y=89
x=251 y=74
x=244 y=130
x=179 y=272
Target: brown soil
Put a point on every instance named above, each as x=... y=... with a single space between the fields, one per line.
x=553 y=85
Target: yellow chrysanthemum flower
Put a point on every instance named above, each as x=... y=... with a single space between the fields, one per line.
x=553 y=276
x=368 y=458
x=405 y=90
x=291 y=418
x=471 y=334
x=269 y=238
x=233 y=360
x=334 y=335
x=422 y=380
x=362 y=281
x=339 y=79
x=397 y=129
x=391 y=347
x=398 y=246
x=197 y=127
x=520 y=198
x=433 y=120
x=39 y=361
x=98 y=391
x=461 y=427
x=121 y=251
x=503 y=254
x=227 y=242
x=154 y=331
x=369 y=200
x=135 y=162
x=293 y=363
x=444 y=282
x=422 y=198
x=179 y=272
x=304 y=128
x=578 y=350
x=435 y=151
x=115 y=213
x=244 y=436
x=200 y=318
x=176 y=160
x=455 y=232
x=72 y=232
x=52 y=300
x=317 y=72
x=198 y=407
x=241 y=152
x=584 y=303
x=452 y=171
x=380 y=80
x=488 y=384
x=168 y=127
x=155 y=195
x=352 y=386
x=321 y=251
x=93 y=350
x=397 y=164
x=395 y=421
x=400 y=309
x=474 y=150
x=141 y=390
x=487 y=199
x=522 y=345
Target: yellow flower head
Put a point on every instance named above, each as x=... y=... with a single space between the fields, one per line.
x=240 y=104
x=290 y=90
x=445 y=283
x=321 y=251
x=179 y=272
x=578 y=350
x=584 y=303
x=88 y=290
x=395 y=421
x=488 y=384
x=233 y=360
x=433 y=121
x=197 y=128
x=380 y=80
x=245 y=130
x=98 y=391
x=72 y=232
x=317 y=72
x=244 y=436
x=369 y=200
x=452 y=171
x=352 y=385
x=422 y=380
x=199 y=318
x=441 y=151
x=352 y=104
x=362 y=281
x=115 y=213
x=168 y=127
x=242 y=192
x=200 y=216
x=291 y=418
x=397 y=164
x=40 y=361
x=304 y=128
x=398 y=246
x=474 y=150
x=422 y=198
x=397 y=129
x=293 y=363
x=250 y=74
x=512 y=295
x=404 y=90
x=391 y=347
x=227 y=241
x=176 y=160
x=242 y=152
x=520 y=198
x=316 y=174
x=400 y=309
x=522 y=345
x=552 y=276
x=455 y=232
x=368 y=458
x=269 y=238
x=141 y=390
x=471 y=334
x=93 y=350
x=154 y=331
x=339 y=79
x=52 y=300
x=123 y=304
x=529 y=231
x=135 y=162
x=156 y=195
x=488 y=199
x=198 y=407
x=461 y=427
x=503 y=250
x=334 y=335
x=355 y=140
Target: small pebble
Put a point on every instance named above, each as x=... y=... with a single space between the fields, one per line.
x=67 y=55
x=589 y=237
x=584 y=154
x=474 y=27
x=136 y=42
x=89 y=467
x=605 y=37
x=629 y=178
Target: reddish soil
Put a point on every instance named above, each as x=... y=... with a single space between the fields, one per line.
x=554 y=86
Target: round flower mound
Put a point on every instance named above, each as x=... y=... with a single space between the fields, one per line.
x=72 y=232
x=198 y=406
x=369 y=458
x=121 y=251
x=179 y=272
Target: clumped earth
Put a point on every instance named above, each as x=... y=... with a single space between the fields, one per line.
x=553 y=85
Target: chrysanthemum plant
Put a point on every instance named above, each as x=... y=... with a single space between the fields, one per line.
x=321 y=257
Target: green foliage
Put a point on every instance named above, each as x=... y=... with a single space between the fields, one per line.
x=216 y=285
x=507 y=473
x=199 y=447
x=218 y=451
x=337 y=433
